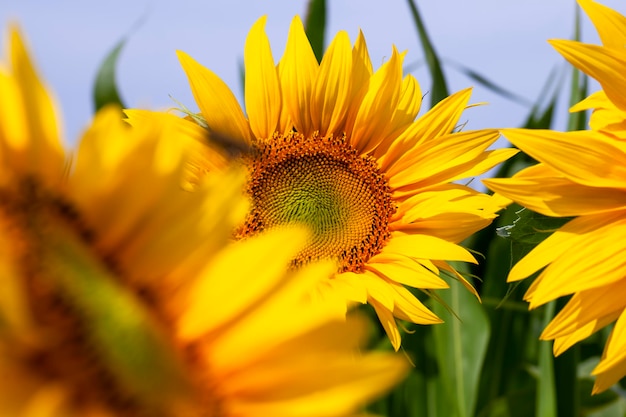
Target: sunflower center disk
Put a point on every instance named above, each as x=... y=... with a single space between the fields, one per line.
x=67 y=355
x=326 y=185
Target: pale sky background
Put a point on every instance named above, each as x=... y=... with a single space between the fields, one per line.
x=505 y=40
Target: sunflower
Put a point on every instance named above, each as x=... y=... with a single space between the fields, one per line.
x=121 y=295
x=581 y=174
x=337 y=147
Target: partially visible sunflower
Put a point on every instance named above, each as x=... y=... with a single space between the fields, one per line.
x=336 y=146
x=582 y=174
x=121 y=297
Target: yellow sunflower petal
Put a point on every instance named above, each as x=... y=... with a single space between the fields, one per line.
x=348 y=285
x=262 y=90
x=206 y=309
x=232 y=351
x=603 y=64
x=606 y=117
x=270 y=377
x=361 y=73
x=298 y=72
x=438 y=121
x=406 y=112
x=285 y=123
x=206 y=154
x=378 y=105
x=399 y=268
x=431 y=212
x=29 y=131
x=448 y=198
x=597 y=263
x=611 y=25
x=608 y=378
x=331 y=92
x=557 y=244
x=540 y=189
x=443 y=118
x=443 y=156
x=612 y=366
x=484 y=163
x=463 y=168
x=389 y=323
x=427 y=247
x=217 y=103
x=378 y=289
x=594 y=100
x=584 y=307
x=580 y=156
x=408 y=307
x=333 y=388
x=562 y=343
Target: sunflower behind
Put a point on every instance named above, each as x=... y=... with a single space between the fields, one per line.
x=122 y=297
x=581 y=174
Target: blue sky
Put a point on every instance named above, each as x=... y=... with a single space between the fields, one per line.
x=503 y=39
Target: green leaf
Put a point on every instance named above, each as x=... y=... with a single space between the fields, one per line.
x=595 y=403
x=488 y=84
x=578 y=120
x=439 y=89
x=567 y=385
x=542 y=114
x=615 y=409
x=420 y=394
x=518 y=403
x=105 y=88
x=460 y=346
x=546 y=393
x=315 y=26
x=477 y=77
x=578 y=88
x=129 y=343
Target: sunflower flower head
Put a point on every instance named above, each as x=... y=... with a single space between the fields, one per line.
x=121 y=295
x=581 y=174
x=336 y=146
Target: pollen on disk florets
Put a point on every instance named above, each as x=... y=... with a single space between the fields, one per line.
x=324 y=183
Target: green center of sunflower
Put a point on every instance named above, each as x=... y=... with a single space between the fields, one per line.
x=325 y=184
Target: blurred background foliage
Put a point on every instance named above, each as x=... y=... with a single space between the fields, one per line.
x=486 y=360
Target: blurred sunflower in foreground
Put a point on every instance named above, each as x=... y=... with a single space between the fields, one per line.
x=582 y=174
x=336 y=146
x=120 y=296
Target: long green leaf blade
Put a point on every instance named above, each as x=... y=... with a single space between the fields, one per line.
x=482 y=80
x=460 y=345
x=439 y=89
x=546 y=393
x=105 y=88
x=315 y=26
x=578 y=88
